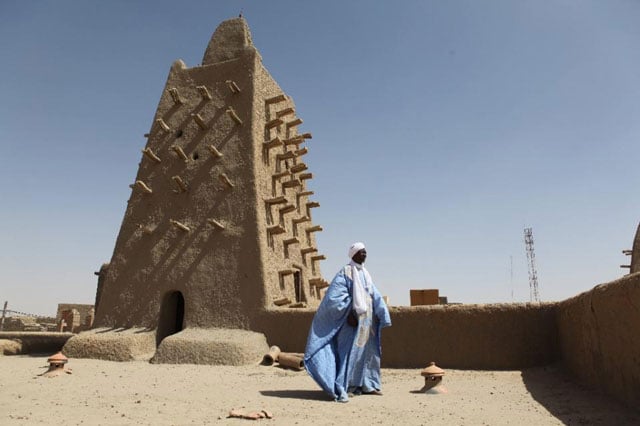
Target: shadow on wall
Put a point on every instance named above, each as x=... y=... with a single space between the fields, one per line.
x=571 y=403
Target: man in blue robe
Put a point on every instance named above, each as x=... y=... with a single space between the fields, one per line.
x=343 y=348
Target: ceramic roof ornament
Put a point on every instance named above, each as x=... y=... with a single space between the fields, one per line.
x=57 y=366
x=433 y=379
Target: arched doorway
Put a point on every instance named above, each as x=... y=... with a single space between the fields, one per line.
x=171 y=318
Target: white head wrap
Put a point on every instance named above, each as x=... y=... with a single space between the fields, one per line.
x=355 y=247
x=360 y=290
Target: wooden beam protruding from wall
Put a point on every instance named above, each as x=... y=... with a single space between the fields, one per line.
x=234 y=116
x=175 y=95
x=224 y=178
x=178 y=150
x=216 y=223
x=178 y=180
x=164 y=126
x=233 y=86
x=199 y=121
x=204 y=92
x=149 y=153
x=214 y=151
x=275 y=99
x=143 y=187
x=180 y=225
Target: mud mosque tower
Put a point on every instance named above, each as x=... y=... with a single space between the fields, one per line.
x=219 y=223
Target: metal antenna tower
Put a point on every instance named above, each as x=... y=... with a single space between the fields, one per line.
x=531 y=260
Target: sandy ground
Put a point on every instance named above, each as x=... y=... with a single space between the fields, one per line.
x=103 y=392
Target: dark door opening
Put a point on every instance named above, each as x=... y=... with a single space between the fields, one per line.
x=297 y=286
x=171 y=318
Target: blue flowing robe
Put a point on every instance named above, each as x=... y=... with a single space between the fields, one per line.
x=340 y=357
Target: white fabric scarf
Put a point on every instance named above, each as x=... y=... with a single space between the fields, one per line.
x=360 y=290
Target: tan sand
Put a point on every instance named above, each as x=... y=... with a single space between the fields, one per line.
x=105 y=392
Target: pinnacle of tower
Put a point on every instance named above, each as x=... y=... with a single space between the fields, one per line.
x=230 y=40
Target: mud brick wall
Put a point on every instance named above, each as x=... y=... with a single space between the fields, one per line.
x=599 y=333
x=504 y=336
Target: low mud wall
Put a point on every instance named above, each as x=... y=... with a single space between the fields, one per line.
x=34 y=342
x=599 y=334
x=504 y=336
x=491 y=337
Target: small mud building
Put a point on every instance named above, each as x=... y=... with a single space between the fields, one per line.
x=219 y=224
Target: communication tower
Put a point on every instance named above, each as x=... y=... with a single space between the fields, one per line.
x=531 y=260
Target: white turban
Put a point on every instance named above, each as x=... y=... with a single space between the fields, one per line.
x=360 y=289
x=355 y=247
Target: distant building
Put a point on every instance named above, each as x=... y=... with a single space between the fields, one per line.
x=74 y=318
x=426 y=297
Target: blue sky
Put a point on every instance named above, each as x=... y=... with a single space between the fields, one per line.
x=440 y=130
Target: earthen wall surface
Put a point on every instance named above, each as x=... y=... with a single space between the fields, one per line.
x=500 y=336
x=599 y=334
x=199 y=220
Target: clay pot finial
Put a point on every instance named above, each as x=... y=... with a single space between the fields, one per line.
x=432 y=376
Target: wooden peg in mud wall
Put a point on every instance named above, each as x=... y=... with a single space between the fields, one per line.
x=281 y=302
x=164 y=126
x=311 y=205
x=285 y=272
x=275 y=200
x=276 y=229
x=290 y=241
x=284 y=112
x=305 y=251
x=272 y=143
x=286 y=209
x=281 y=174
x=296 y=220
x=306 y=136
x=148 y=230
x=302 y=194
x=142 y=186
x=305 y=176
x=180 y=225
x=273 y=123
x=175 y=95
x=234 y=116
x=313 y=229
x=297 y=168
x=216 y=223
x=318 y=283
x=295 y=140
x=300 y=219
x=293 y=123
x=315 y=259
x=214 y=151
x=151 y=155
x=178 y=180
x=290 y=184
x=275 y=99
x=199 y=121
x=275 y=178
x=204 y=92
x=301 y=152
x=224 y=178
x=233 y=86
x=286 y=243
x=178 y=150
x=285 y=156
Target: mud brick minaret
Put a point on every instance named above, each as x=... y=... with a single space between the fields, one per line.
x=219 y=224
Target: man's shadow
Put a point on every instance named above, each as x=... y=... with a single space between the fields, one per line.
x=298 y=394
